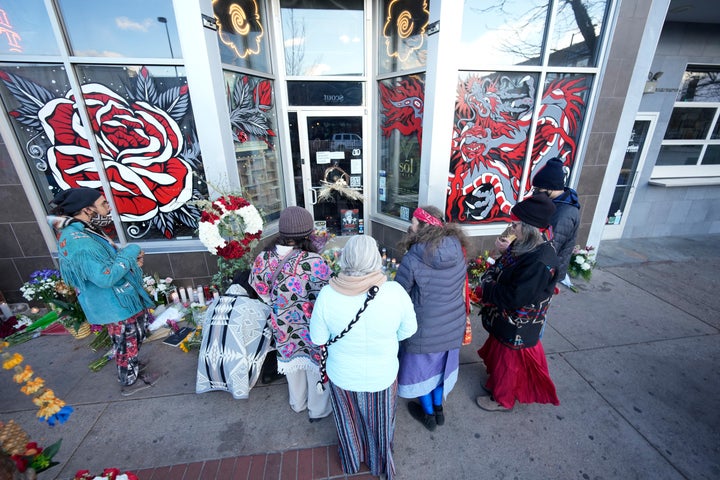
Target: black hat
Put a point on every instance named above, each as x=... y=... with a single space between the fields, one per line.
x=296 y=222
x=73 y=200
x=551 y=176
x=535 y=210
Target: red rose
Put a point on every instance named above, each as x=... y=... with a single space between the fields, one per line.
x=140 y=146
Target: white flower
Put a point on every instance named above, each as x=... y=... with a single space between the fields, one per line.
x=582 y=252
x=586 y=266
x=579 y=260
x=168 y=280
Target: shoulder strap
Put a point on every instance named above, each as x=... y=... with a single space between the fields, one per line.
x=281 y=265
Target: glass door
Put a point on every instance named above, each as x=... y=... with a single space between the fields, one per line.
x=331 y=165
x=629 y=172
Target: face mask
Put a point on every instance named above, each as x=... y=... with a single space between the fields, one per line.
x=100 y=221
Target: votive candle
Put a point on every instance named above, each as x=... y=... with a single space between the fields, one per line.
x=201 y=295
x=183 y=295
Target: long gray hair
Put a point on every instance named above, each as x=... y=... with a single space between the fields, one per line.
x=529 y=238
x=360 y=256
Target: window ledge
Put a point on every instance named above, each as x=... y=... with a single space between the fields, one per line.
x=685 y=182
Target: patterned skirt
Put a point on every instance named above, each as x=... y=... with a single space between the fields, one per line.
x=520 y=375
x=365 y=424
x=421 y=373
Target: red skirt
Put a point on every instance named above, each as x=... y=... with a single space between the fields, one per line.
x=520 y=375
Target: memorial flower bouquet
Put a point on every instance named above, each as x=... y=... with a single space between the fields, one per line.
x=582 y=262
x=27 y=455
x=475 y=270
x=230 y=227
x=47 y=286
x=158 y=288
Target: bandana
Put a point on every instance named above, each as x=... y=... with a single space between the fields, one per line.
x=424 y=216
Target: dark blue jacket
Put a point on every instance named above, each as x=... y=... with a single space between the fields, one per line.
x=435 y=283
x=565 y=222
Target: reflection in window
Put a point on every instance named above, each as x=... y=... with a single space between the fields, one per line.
x=712 y=155
x=252 y=117
x=493 y=116
x=403 y=44
x=509 y=33
x=689 y=123
x=700 y=84
x=323 y=37
x=131 y=28
x=241 y=33
x=575 y=39
x=679 y=155
x=401 y=113
x=144 y=131
x=26 y=29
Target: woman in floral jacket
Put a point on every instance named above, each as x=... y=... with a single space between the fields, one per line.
x=289 y=277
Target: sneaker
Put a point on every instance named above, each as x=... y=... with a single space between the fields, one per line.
x=142 y=366
x=439 y=414
x=417 y=412
x=490 y=405
x=128 y=390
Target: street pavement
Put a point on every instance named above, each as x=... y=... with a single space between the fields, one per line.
x=634 y=356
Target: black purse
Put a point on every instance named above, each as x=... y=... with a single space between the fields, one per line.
x=323 y=348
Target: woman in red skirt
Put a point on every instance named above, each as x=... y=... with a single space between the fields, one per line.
x=516 y=293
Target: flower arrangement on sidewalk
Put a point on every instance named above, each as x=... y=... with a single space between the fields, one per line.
x=47 y=286
x=51 y=409
x=158 y=288
x=332 y=258
x=230 y=227
x=15 y=443
x=107 y=474
x=582 y=262
x=476 y=268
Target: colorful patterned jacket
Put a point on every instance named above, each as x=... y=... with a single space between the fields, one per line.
x=292 y=297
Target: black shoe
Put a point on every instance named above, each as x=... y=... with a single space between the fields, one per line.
x=439 y=415
x=417 y=412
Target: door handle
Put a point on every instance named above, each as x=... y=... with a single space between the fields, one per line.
x=313 y=196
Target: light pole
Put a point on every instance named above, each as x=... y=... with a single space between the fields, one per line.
x=163 y=20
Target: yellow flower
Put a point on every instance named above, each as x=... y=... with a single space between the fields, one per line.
x=33 y=386
x=23 y=376
x=4 y=345
x=13 y=361
x=51 y=409
x=44 y=398
x=184 y=347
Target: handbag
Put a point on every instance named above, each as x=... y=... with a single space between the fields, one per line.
x=323 y=348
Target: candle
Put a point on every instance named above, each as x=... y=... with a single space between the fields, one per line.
x=216 y=295
x=174 y=297
x=34 y=310
x=201 y=296
x=7 y=313
x=183 y=295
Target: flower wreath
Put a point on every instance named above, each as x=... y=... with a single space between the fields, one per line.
x=230 y=227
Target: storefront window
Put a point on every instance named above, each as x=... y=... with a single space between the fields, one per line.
x=509 y=32
x=144 y=133
x=323 y=37
x=689 y=123
x=242 y=34
x=401 y=113
x=131 y=28
x=700 y=84
x=253 y=120
x=493 y=119
x=26 y=29
x=403 y=41
x=575 y=38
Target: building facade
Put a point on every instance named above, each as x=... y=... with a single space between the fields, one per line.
x=359 y=111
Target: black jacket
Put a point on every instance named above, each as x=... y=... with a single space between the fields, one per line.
x=565 y=222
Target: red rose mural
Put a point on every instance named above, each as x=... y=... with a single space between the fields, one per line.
x=147 y=161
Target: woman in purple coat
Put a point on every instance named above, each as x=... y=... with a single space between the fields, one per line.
x=433 y=273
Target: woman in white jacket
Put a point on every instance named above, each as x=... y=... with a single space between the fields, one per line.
x=362 y=318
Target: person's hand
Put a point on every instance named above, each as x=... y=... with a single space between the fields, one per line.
x=141 y=259
x=502 y=244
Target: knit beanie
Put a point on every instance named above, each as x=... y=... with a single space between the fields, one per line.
x=73 y=200
x=535 y=210
x=296 y=222
x=550 y=176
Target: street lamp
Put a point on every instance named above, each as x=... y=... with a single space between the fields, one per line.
x=163 y=20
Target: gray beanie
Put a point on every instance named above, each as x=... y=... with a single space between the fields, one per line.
x=296 y=222
x=551 y=176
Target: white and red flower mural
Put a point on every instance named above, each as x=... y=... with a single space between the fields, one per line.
x=149 y=165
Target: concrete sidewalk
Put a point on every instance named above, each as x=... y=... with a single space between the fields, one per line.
x=634 y=356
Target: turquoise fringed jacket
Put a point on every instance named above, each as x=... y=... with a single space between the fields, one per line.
x=107 y=279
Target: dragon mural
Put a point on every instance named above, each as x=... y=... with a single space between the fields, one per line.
x=403 y=107
x=493 y=119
